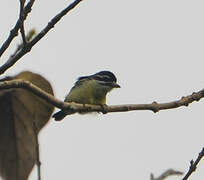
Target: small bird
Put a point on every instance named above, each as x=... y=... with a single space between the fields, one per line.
x=89 y=90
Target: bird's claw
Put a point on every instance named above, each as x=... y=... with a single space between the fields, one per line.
x=104 y=108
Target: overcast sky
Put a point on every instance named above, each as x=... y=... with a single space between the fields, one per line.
x=155 y=48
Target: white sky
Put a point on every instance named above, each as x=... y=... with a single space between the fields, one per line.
x=155 y=48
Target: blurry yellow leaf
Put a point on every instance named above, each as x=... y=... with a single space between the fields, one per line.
x=21 y=112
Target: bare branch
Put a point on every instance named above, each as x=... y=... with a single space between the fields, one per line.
x=13 y=59
x=21 y=17
x=167 y=173
x=193 y=165
x=155 y=107
x=28 y=37
x=38 y=163
x=14 y=31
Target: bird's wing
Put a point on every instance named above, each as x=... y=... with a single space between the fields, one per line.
x=81 y=80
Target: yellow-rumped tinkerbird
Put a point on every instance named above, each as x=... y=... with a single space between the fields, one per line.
x=89 y=90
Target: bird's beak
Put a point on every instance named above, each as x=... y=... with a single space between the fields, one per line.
x=115 y=85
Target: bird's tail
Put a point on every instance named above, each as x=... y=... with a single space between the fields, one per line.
x=58 y=116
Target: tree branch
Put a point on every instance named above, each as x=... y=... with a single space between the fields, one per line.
x=38 y=163
x=167 y=173
x=28 y=46
x=74 y=107
x=14 y=31
x=28 y=37
x=22 y=18
x=193 y=165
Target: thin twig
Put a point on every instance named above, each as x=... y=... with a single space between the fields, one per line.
x=74 y=107
x=28 y=37
x=13 y=59
x=14 y=31
x=37 y=147
x=167 y=173
x=193 y=165
x=22 y=19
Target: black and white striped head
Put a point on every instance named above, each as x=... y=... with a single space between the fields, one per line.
x=105 y=78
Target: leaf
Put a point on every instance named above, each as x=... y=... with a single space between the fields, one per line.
x=22 y=116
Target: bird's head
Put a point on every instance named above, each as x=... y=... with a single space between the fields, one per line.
x=107 y=79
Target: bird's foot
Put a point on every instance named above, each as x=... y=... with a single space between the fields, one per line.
x=104 y=108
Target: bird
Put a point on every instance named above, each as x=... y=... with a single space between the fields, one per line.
x=90 y=89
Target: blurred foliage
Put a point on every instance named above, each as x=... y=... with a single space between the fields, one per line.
x=31 y=34
x=22 y=116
